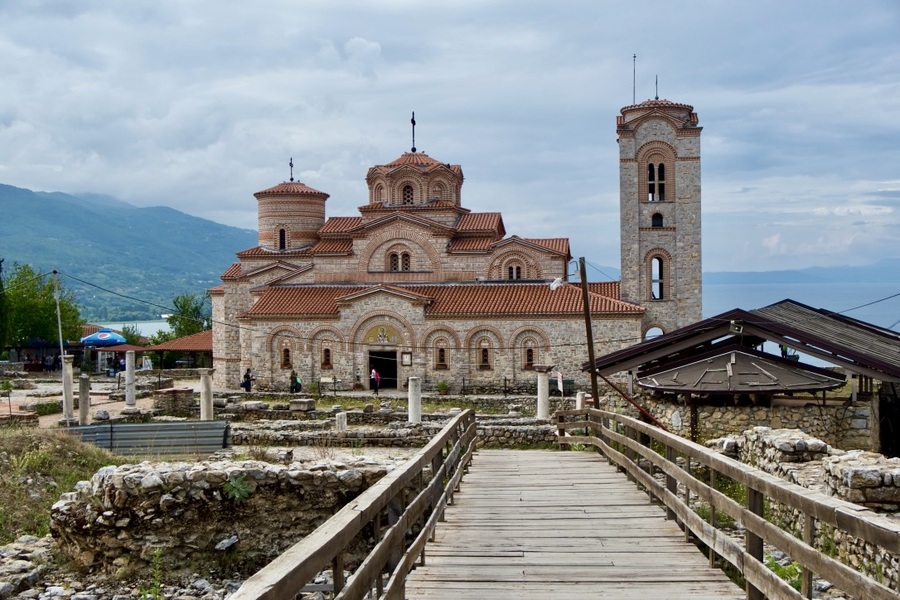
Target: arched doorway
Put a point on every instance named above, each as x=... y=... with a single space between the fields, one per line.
x=385 y=362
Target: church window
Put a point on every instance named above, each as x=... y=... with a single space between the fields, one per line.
x=657 y=220
x=484 y=356
x=657 y=271
x=395 y=261
x=282 y=239
x=404 y=261
x=656 y=182
x=514 y=272
x=440 y=355
x=286 y=358
x=407 y=194
x=326 y=358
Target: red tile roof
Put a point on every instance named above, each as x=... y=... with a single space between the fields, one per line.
x=340 y=225
x=232 y=272
x=478 y=222
x=560 y=245
x=260 y=252
x=471 y=245
x=454 y=300
x=197 y=342
x=332 y=247
x=290 y=188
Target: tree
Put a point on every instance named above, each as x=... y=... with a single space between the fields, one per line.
x=4 y=317
x=191 y=315
x=132 y=335
x=30 y=304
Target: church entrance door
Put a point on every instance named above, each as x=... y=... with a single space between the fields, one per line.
x=385 y=362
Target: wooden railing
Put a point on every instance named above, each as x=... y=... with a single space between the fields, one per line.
x=640 y=449
x=401 y=502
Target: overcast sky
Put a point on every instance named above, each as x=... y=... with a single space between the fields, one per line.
x=199 y=104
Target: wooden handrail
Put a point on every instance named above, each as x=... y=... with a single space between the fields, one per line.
x=616 y=436
x=447 y=456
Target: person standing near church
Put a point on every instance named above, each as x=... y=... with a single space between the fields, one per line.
x=374 y=380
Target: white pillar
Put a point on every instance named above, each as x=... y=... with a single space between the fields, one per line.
x=340 y=422
x=543 y=395
x=68 y=397
x=206 y=396
x=579 y=400
x=415 y=399
x=84 y=399
x=129 y=380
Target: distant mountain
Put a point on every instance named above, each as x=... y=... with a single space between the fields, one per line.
x=883 y=271
x=133 y=260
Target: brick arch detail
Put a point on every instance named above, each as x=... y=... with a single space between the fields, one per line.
x=437 y=330
x=484 y=329
x=291 y=332
x=371 y=319
x=497 y=268
x=314 y=336
x=525 y=331
x=376 y=246
x=377 y=191
x=667 y=155
x=417 y=186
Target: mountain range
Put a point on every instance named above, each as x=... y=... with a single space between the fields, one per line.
x=127 y=263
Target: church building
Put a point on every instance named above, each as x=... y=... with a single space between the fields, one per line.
x=419 y=285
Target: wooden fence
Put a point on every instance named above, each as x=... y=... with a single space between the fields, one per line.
x=410 y=498
x=640 y=449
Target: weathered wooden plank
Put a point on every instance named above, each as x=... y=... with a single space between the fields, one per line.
x=535 y=524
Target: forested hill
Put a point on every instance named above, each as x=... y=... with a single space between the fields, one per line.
x=152 y=254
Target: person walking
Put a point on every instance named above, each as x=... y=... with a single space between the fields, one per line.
x=247 y=383
x=296 y=383
x=374 y=380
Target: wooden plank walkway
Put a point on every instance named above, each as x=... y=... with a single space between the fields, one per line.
x=543 y=524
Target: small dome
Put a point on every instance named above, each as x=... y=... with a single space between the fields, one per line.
x=416 y=159
x=290 y=188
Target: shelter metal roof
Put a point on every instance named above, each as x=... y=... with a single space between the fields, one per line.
x=855 y=345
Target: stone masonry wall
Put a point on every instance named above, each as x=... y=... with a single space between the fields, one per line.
x=211 y=514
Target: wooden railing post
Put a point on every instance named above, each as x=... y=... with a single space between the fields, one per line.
x=671 y=482
x=712 y=518
x=755 y=504
x=687 y=496
x=809 y=534
x=337 y=572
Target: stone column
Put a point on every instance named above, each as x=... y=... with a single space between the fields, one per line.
x=340 y=422
x=415 y=399
x=68 y=395
x=206 y=395
x=84 y=399
x=130 y=403
x=579 y=400
x=543 y=391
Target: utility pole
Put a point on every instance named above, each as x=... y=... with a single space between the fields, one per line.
x=588 y=331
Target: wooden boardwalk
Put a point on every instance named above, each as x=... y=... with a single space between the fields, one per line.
x=544 y=524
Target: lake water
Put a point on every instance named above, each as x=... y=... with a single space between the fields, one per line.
x=146 y=328
x=876 y=303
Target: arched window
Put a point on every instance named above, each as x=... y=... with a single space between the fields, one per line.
x=514 y=272
x=529 y=359
x=282 y=239
x=440 y=355
x=404 y=261
x=286 y=358
x=657 y=271
x=326 y=358
x=484 y=355
x=656 y=182
x=395 y=261
x=407 y=194
x=657 y=220
x=652 y=333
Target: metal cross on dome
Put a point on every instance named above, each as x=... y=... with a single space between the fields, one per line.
x=291 y=165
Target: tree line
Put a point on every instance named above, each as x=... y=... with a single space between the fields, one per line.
x=28 y=312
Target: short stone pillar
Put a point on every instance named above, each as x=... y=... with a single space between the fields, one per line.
x=579 y=400
x=414 y=396
x=84 y=399
x=68 y=393
x=130 y=402
x=543 y=391
x=340 y=422
x=206 y=395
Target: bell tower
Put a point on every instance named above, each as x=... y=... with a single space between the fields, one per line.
x=659 y=208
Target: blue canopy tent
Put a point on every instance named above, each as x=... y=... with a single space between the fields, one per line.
x=103 y=337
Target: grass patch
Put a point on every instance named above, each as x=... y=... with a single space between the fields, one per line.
x=36 y=466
